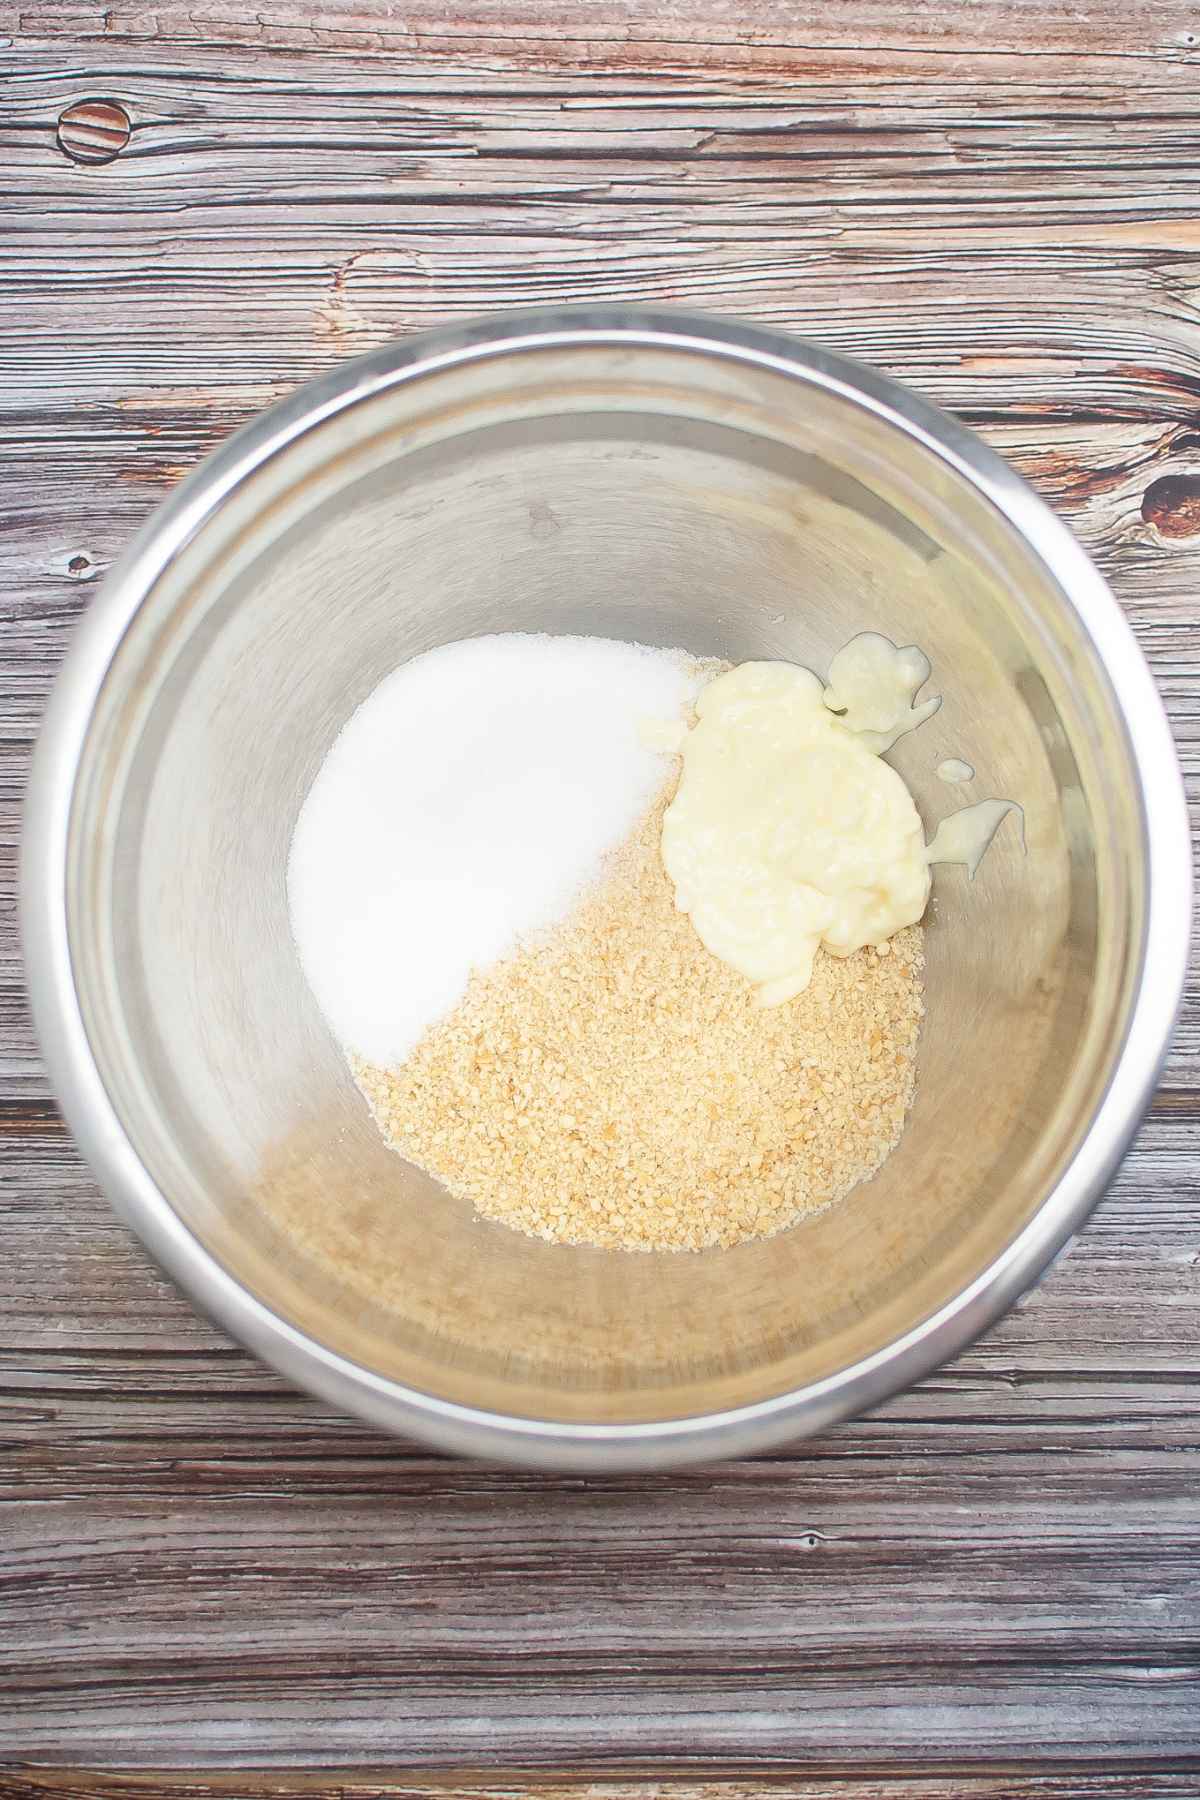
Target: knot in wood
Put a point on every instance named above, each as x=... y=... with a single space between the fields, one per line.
x=1172 y=504
x=93 y=131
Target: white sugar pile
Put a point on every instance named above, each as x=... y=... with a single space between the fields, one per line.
x=468 y=802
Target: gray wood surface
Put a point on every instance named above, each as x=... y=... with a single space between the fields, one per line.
x=999 y=1573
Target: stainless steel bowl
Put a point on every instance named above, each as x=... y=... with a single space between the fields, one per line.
x=646 y=475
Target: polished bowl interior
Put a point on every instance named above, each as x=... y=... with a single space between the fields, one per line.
x=673 y=482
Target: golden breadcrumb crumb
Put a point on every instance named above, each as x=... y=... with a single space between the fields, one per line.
x=614 y=1084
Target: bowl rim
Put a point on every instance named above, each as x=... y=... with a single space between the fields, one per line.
x=572 y=1445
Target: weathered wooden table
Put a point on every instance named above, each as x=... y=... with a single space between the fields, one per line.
x=1000 y=1573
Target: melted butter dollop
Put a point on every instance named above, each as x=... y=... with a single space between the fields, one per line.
x=787 y=831
x=873 y=685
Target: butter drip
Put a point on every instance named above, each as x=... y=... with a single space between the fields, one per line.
x=964 y=836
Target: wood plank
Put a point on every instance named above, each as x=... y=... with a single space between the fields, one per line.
x=990 y=1586
x=702 y=1783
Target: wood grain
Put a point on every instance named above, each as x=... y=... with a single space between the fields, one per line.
x=699 y=1783
x=989 y=1588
